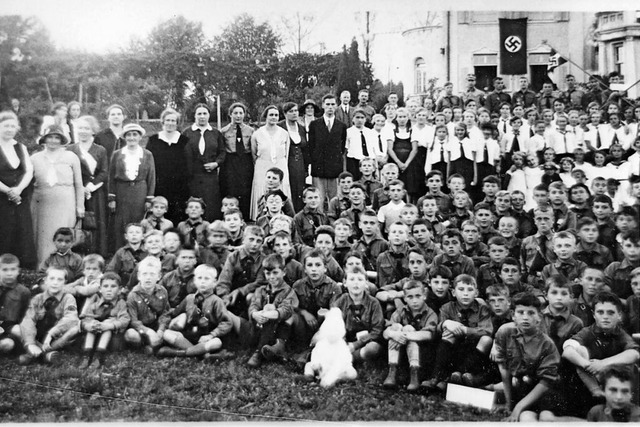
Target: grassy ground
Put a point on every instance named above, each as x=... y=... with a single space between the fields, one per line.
x=218 y=391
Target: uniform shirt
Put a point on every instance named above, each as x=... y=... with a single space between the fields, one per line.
x=435 y=303
x=460 y=265
x=190 y=229
x=397 y=286
x=488 y=275
x=366 y=316
x=498 y=321
x=476 y=317
x=14 y=302
x=152 y=223
x=66 y=314
x=582 y=309
x=473 y=93
x=241 y=271
x=508 y=143
x=336 y=206
x=353 y=215
x=478 y=252
x=125 y=260
x=215 y=256
x=570 y=269
x=370 y=251
x=437 y=152
x=448 y=101
x=149 y=309
x=444 y=202
x=314 y=297
x=370 y=186
x=603 y=413
x=454 y=147
x=97 y=309
x=563 y=142
x=293 y=271
x=494 y=99
x=167 y=264
x=393 y=266
x=70 y=261
x=283 y=297
x=211 y=317
x=560 y=327
x=616 y=276
x=177 y=286
x=305 y=223
x=526 y=98
x=597 y=257
x=430 y=250
x=424 y=320
x=534 y=255
x=535 y=356
x=602 y=344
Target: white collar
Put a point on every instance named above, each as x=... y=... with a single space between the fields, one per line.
x=169 y=139
x=196 y=127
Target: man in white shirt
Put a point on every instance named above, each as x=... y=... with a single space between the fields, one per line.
x=561 y=140
x=362 y=142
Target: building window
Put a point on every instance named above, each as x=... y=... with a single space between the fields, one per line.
x=618 y=57
x=420 y=76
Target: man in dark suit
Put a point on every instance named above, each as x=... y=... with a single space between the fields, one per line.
x=344 y=112
x=327 y=138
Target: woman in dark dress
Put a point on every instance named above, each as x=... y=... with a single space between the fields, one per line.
x=111 y=138
x=94 y=167
x=16 y=173
x=402 y=151
x=298 y=157
x=237 y=170
x=205 y=153
x=167 y=148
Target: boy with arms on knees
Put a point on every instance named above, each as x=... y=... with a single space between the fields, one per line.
x=63 y=257
x=452 y=257
x=148 y=306
x=270 y=312
x=363 y=318
x=412 y=326
x=522 y=350
x=557 y=321
x=370 y=245
x=126 y=258
x=104 y=315
x=393 y=293
x=489 y=273
x=393 y=264
x=617 y=385
x=216 y=252
x=465 y=328
x=200 y=321
x=591 y=284
x=89 y=284
x=309 y=218
x=564 y=246
x=51 y=322
x=157 y=221
x=589 y=250
x=472 y=246
x=180 y=282
x=616 y=275
x=14 y=302
x=595 y=348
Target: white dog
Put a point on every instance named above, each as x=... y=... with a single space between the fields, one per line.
x=330 y=358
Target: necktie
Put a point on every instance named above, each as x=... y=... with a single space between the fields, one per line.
x=531 y=132
x=515 y=146
x=543 y=246
x=365 y=151
x=462 y=154
x=329 y=124
x=504 y=126
x=554 y=326
x=380 y=143
x=615 y=137
x=564 y=137
x=486 y=153
x=49 y=319
x=201 y=143
x=158 y=224
x=598 y=140
x=105 y=311
x=193 y=234
x=399 y=269
x=239 y=141
x=464 y=317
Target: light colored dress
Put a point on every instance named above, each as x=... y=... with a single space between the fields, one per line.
x=533 y=177
x=269 y=151
x=58 y=192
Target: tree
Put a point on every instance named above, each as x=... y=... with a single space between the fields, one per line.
x=246 y=39
x=350 y=71
x=298 y=29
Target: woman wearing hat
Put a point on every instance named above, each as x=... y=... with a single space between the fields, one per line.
x=237 y=170
x=205 y=153
x=93 y=162
x=16 y=173
x=310 y=111
x=58 y=197
x=57 y=118
x=132 y=181
x=298 y=156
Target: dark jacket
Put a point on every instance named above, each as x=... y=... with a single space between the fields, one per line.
x=326 y=148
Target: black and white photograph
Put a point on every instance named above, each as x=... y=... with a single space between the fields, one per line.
x=303 y=211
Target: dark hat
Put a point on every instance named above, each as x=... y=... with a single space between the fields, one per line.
x=54 y=130
x=308 y=102
x=550 y=166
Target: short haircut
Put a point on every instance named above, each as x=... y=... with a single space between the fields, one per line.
x=207 y=267
x=469 y=223
x=541 y=187
x=343 y=221
x=63 y=231
x=354 y=254
x=9 y=259
x=314 y=253
x=90 y=259
x=231 y=199
x=481 y=206
x=408 y=206
x=272 y=262
x=233 y=211
x=564 y=235
x=546 y=208
x=503 y=193
x=606 y=296
x=511 y=261
x=627 y=211
x=557 y=281
x=217 y=226
x=441 y=271
x=111 y=275
x=152 y=233
x=60 y=268
x=310 y=189
x=328 y=96
x=620 y=372
x=497 y=290
x=632 y=236
x=491 y=179
x=345 y=175
x=634 y=273
x=526 y=299
x=198 y=200
x=188 y=248
x=325 y=229
x=455 y=175
x=367 y=159
x=281 y=234
x=498 y=241
x=413 y=284
x=281 y=217
x=585 y=222
x=160 y=200
x=278 y=193
x=465 y=279
x=433 y=173
x=356 y=269
x=176 y=232
x=417 y=250
x=558 y=185
x=150 y=262
x=359 y=186
x=368 y=212
x=276 y=171
x=420 y=221
x=253 y=230
x=396 y=182
x=399 y=224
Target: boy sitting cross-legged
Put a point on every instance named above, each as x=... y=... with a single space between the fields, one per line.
x=465 y=328
x=270 y=311
x=200 y=321
x=104 y=315
x=51 y=322
x=412 y=326
x=89 y=284
x=522 y=350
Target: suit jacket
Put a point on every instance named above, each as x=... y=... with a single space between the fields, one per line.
x=101 y=172
x=344 y=117
x=327 y=148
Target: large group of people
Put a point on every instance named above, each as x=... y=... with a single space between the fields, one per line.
x=483 y=239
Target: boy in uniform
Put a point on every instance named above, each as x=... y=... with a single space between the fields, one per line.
x=393 y=264
x=14 y=302
x=422 y=239
x=64 y=257
x=472 y=246
x=452 y=257
x=180 y=282
x=309 y=218
x=557 y=321
x=126 y=258
x=564 y=246
x=589 y=250
x=217 y=251
x=194 y=227
x=157 y=221
x=89 y=284
x=616 y=275
x=617 y=385
x=439 y=290
x=370 y=245
x=489 y=274
x=392 y=294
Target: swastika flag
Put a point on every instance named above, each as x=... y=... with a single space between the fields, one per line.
x=555 y=60
x=513 y=46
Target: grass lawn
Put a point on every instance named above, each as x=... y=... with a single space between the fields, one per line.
x=135 y=387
